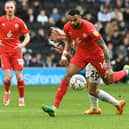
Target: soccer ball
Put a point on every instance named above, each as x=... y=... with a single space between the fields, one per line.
x=77 y=82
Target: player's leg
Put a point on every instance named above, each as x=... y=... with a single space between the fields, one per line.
x=21 y=86
x=7 y=84
x=6 y=67
x=75 y=66
x=93 y=80
x=99 y=64
x=17 y=64
x=94 y=109
x=102 y=95
x=71 y=70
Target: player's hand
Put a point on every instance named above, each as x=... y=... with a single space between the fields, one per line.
x=57 y=35
x=109 y=75
x=1 y=44
x=64 y=62
x=59 y=49
x=18 y=47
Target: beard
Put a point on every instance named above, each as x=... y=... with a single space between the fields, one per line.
x=77 y=26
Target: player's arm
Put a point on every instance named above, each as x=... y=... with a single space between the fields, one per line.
x=102 y=44
x=57 y=35
x=24 y=43
x=67 y=49
x=26 y=39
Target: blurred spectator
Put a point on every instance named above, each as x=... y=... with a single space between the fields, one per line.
x=39 y=59
x=126 y=3
x=104 y=0
x=27 y=59
x=61 y=22
x=89 y=17
x=126 y=16
x=110 y=47
x=119 y=5
x=111 y=27
x=104 y=15
x=99 y=26
x=81 y=10
x=107 y=4
x=121 y=50
x=117 y=14
x=33 y=62
x=55 y=14
x=36 y=7
x=22 y=10
x=31 y=17
x=123 y=27
x=50 y=61
x=42 y=17
x=116 y=39
x=50 y=23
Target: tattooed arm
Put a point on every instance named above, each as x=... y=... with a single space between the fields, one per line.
x=102 y=44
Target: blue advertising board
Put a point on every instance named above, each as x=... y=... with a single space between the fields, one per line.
x=38 y=76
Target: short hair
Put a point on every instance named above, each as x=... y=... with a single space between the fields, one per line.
x=11 y=1
x=73 y=12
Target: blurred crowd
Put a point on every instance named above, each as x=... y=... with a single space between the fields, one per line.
x=110 y=17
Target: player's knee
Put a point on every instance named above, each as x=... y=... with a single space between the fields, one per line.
x=92 y=93
x=7 y=78
x=67 y=76
x=19 y=77
x=108 y=82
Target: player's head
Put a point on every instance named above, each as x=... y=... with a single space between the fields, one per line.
x=74 y=18
x=10 y=8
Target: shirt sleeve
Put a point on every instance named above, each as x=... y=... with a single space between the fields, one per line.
x=93 y=33
x=66 y=30
x=23 y=28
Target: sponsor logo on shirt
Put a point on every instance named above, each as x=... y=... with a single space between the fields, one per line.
x=9 y=34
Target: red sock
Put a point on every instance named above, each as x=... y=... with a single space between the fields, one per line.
x=7 y=85
x=21 y=88
x=60 y=93
x=119 y=75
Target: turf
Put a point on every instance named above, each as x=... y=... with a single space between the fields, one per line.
x=69 y=116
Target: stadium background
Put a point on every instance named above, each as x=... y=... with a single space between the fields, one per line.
x=111 y=18
x=40 y=56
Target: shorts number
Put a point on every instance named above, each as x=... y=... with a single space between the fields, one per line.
x=94 y=75
x=20 y=61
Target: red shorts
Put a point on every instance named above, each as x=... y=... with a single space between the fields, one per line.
x=98 y=62
x=12 y=61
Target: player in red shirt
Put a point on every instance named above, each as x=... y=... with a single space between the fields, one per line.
x=56 y=37
x=91 y=48
x=10 y=49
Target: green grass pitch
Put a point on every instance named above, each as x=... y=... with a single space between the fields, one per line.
x=69 y=115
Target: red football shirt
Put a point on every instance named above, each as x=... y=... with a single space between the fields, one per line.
x=10 y=32
x=85 y=38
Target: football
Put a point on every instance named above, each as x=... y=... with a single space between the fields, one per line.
x=77 y=82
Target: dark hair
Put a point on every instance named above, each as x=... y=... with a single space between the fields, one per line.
x=73 y=12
